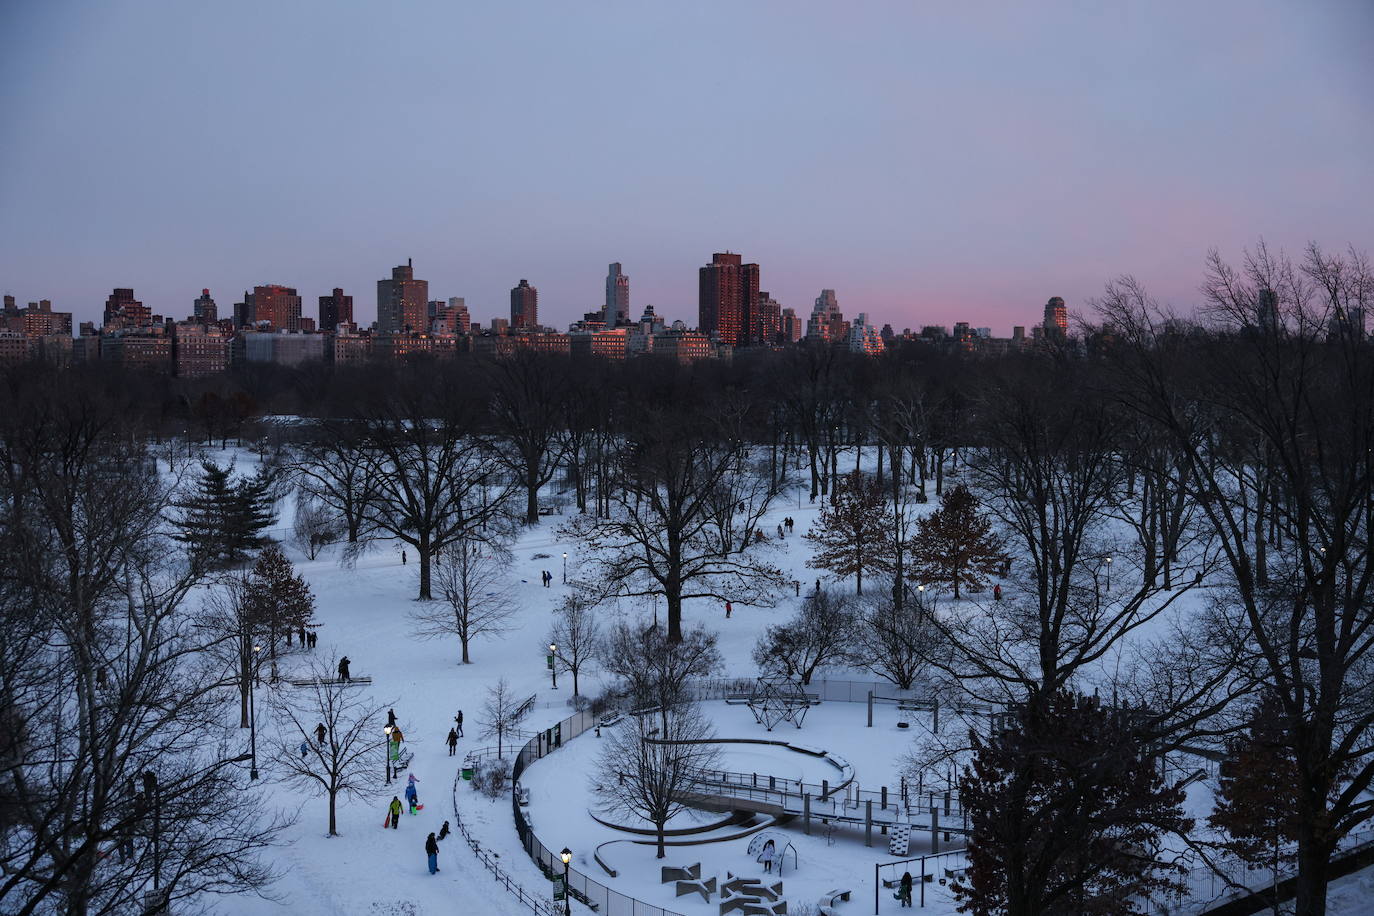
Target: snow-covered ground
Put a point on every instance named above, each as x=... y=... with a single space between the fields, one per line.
x=363 y=612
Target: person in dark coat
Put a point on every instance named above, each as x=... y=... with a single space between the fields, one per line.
x=343 y=669
x=452 y=741
x=432 y=851
x=391 y=717
x=443 y=831
x=904 y=890
x=320 y=733
x=459 y=719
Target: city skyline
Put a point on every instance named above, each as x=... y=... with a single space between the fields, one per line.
x=930 y=165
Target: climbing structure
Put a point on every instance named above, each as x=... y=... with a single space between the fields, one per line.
x=778 y=699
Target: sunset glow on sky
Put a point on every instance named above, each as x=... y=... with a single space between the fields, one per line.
x=931 y=162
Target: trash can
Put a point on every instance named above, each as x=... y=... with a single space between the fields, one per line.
x=467 y=773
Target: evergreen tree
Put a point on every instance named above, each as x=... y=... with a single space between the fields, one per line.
x=278 y=599
x=221 y=520
x=1066 y=810
x=854 y=532
x=955 y=545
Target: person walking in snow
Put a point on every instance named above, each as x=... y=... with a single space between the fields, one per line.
x=432 y=851
x=904 y=890
x=320 y=733
x=459 y=719
x=391 y=717
x=403 y=558
x=997 y=592
x=767 y=856
x=729 y=609
x=412 y=797
x=343 y=669
x=452 y=741
x=393 y=814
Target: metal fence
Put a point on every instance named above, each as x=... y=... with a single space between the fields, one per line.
x=583 y=888
x=539 y=905
x=835 y=691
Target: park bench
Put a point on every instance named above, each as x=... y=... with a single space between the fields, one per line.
x=356 y=681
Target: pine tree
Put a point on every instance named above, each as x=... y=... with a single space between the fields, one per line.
x=222 y=521
x=854 y=532
x=278 y=599
x=955 y=545
x=1066 y=811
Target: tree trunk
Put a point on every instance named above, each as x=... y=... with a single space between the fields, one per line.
x=333 y=821
x=659 y=825
x=423 y=549
x=532 y=502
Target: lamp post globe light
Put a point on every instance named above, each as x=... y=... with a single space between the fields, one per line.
x=565 y=567
x=566 y=856
x=253 y=717
x=386 y=752
x=1109 y=573
x=553 y=665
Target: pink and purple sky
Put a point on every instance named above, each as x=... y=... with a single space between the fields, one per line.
x=932 y=162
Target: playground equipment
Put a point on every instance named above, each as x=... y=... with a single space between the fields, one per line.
x=781 y=847
x=778 y=699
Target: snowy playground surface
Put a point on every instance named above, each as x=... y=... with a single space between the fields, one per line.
x=563 y=789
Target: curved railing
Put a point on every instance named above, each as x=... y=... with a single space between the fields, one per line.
x=594 y=893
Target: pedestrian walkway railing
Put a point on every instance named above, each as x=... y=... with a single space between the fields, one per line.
x=593 y=894
x=540 y=906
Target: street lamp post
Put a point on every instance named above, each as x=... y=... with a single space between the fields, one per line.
x=386 y=753
x=566 y=856
x=565 y=567
x=553 y=664
x=253 y=717
x=1109 y=573
x=150 y=792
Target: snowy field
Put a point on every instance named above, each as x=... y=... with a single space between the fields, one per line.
x=364 y=612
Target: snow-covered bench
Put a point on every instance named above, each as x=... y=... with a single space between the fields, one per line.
x=357 y=681
x=826 y=905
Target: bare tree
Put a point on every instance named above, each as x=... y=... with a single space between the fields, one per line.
x=656 y=771
x=527 y=415
x=108 y=687
x=436 y=480
x=333 y=466
x=1283 y=363
x=819 y=634
x=576 y=634
x=502 y=713
x=345 y=762
x=896 y=642
x=473 y=596
x=661 y=535
x=315 y=526
x=655 y=670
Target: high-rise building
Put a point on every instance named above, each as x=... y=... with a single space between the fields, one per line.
x=617 y=296
x=278 y=307
x=402 y=302
x=122 y=310
x=728 y=295
x=452 y=318
x=524 y=306
x=766 y=322
x=204 y=309
x=827 y=321
x=335 y=309
x=864 y=337
x=1056 y=322
x=790 y=326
